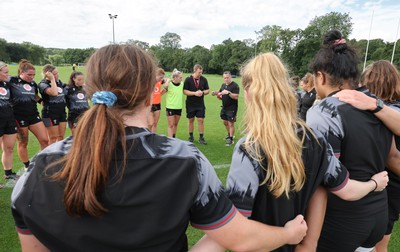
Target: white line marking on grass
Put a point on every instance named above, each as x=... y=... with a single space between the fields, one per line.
x=221 y=166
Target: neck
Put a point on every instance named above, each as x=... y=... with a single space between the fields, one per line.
x=139 y=118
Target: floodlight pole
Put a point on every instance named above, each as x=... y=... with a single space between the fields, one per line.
x=113 y=17
x=255 y=46
x=369 y=36
x=395 y=41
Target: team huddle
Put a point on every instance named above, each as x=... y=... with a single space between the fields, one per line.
x=324 y=179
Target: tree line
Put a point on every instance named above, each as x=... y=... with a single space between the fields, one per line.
x=296 y=47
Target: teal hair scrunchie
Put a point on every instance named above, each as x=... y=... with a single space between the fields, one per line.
x=104 y=97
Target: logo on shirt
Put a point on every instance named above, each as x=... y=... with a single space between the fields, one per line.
x=156 y=89
x=27 y=87
x=80 y=96
x=3 y=91
x=59 y=90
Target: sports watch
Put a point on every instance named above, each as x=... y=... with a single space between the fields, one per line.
x=379 y=105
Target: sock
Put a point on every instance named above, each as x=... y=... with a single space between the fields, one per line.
x=26 y=164
x=201 y=136
x=173 y=135
x=8 y=172
x=191 y=134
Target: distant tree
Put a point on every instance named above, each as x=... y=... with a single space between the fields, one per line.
x=168 y=52
x=16 y=52
x=170 y=40
x=310 y=40
x=270 y=38
x=229 y=56
x=36 y=53
x=56 y=59
x=197 y=55
x=3 y=51
x=75 y=55
x=396 y=58
x=142 y=44
x=320 y=25
x=86 y=53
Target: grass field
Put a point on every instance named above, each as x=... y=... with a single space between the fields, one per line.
x=215 y=151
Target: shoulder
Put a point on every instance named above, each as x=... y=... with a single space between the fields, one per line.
x=13 y=80
x=165 y=147
x=38 y=164
x=43 y=82
x=60 y=147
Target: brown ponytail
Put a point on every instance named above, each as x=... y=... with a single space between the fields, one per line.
x=128 y=72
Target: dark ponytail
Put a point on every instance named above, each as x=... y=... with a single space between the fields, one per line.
x=336 y=59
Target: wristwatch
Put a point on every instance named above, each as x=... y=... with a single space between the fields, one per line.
x=379 y=105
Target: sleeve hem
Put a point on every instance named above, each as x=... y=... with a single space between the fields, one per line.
x=219 y=223
x=341 y=185
x=23 y=231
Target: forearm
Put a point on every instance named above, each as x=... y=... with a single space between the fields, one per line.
x=355 y=190
x=315 y=214
x=241 y=234
x=234 y=96
x=189 y=93
x=391 y=119
x=53 y=90
x=389 y=116
x=29 y=243
x=206 y=244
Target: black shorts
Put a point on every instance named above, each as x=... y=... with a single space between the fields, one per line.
x=27 y=120
x=347 y=234
x=172 y=112
x=155 y=107
x=228 y=115
x=54 y=121
x=8 y=127
x=199 y=112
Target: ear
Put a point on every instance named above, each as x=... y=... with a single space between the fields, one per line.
x=320 y=78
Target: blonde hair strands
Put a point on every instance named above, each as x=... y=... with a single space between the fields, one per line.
x=272 y=124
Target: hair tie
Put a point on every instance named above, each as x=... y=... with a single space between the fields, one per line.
x=107 y=98
x=339 y=42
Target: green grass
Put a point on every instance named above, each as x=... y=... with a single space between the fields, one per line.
x=215 y=151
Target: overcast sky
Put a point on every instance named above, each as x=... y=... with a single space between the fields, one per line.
x=85 y=23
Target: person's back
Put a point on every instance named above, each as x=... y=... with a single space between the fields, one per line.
x=360 y=141
x=141 y=216
x=254 y=199
x=353 y=130
x=278 y=165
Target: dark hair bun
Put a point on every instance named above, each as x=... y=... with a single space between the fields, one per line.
x=331 y=36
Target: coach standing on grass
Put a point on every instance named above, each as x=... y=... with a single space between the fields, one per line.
x=229 y=93
x=195 y=88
